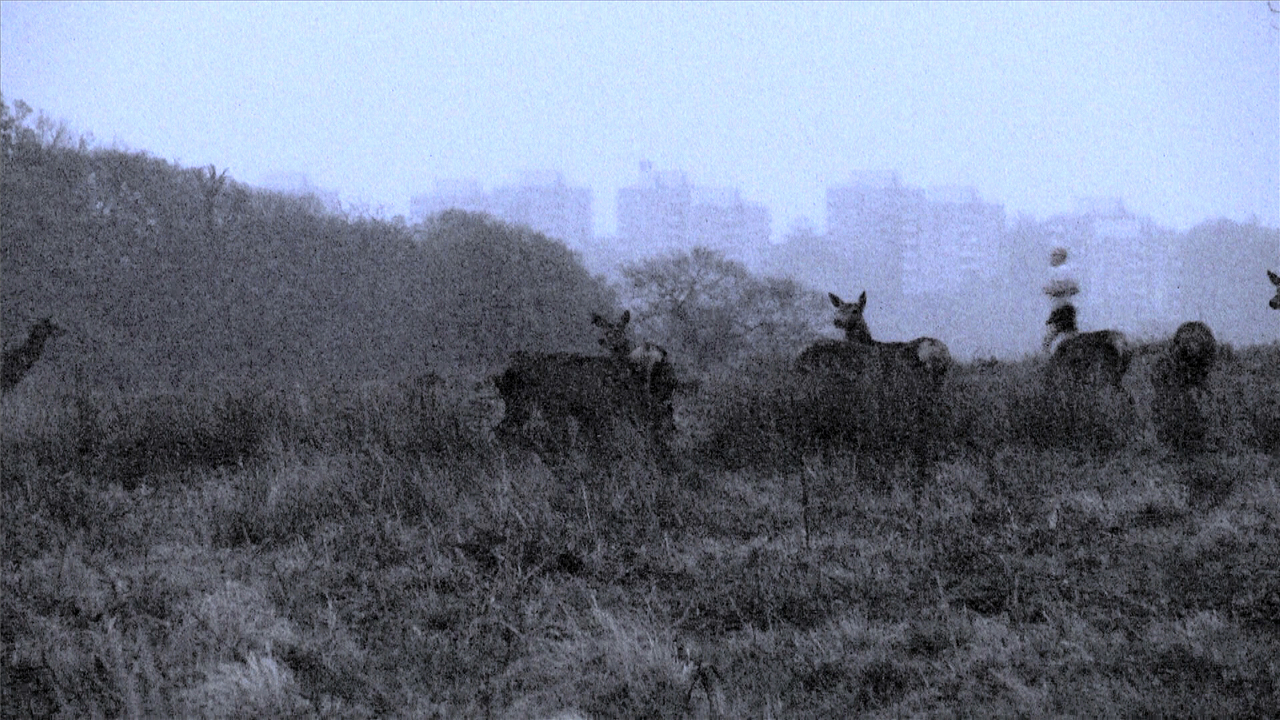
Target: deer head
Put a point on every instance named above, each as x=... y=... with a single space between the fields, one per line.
x=849 y=318
x=615 y=340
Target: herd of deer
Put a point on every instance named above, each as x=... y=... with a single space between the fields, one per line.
x=637 y=382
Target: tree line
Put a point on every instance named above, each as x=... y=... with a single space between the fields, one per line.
x=173 y=277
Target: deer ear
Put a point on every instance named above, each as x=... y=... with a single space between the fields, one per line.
x=835 y=299
x=1275 y=279
x=862 y=300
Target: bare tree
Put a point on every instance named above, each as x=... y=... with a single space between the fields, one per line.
x=711 y=310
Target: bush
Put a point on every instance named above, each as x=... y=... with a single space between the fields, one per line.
x=778 y=417
x=746 y=418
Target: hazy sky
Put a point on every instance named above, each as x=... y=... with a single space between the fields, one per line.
x=1175 y=107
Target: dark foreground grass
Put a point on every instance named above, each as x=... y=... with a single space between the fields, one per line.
x=374 y=553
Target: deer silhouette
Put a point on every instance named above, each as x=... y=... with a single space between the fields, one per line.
x=1083 y=359
x=21 y=359
x=1084 y=403
x=632 y=383
x=924 y=357
x=859 y=392
x=1275 y=280
x=645 y=357
x=1179 y=379
x=1187 y=359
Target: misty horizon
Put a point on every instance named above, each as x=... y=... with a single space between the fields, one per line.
x=1025 y=113
x=1168 y=106
x=452 y=186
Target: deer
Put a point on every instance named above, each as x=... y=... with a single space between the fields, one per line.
x=616 y=341
x=1082 y=358
x=631 y=382
x=1275 y=280
x=1178 y=380
x=19 y=360
x=1187 y=358
x=867 y=391
x=925 y=357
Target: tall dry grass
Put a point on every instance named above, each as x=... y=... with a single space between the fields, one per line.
x=375 y=552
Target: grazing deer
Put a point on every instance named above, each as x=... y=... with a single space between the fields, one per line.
x=925 y=356
x=1187 y=359
x=1275 y=280
x=1083 y=358
x=1178 y=380
x=22 y=358
x=630 y=383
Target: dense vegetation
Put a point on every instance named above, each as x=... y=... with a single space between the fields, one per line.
x=257 y=477
x=176 y=278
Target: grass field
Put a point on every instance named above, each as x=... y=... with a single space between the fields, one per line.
x=375 y=552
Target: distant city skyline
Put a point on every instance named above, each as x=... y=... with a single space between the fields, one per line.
x=1171 y=106
x=468 y=192
x=932 y=259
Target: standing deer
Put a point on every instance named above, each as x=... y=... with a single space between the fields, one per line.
x=1083 y=359
x=875 y=394
x=926 y=357
x=616 y=341
x=21 y=359
x=631 y=383
x=1084 y=403
x=1275 y=280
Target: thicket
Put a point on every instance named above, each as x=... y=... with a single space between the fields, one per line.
x=175 y=278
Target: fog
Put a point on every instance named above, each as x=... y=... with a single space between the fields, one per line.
x=1042 y=111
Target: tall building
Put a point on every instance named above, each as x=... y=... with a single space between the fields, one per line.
x=653 y=215
x=541 y=201
x=721 y=220
x=1124 y=263
x=907 y=241
x=545 y=203
x=958 y=249
x=1219 y=277
x=299 y=185
x=450 y=194
x=663 y=211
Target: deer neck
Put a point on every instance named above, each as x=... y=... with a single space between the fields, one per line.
x=1058 y=337
x=858 y=335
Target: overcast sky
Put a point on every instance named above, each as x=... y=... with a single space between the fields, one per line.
x=1174 y=107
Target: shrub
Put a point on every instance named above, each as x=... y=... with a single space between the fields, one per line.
x=746 y=418
x=146 y=436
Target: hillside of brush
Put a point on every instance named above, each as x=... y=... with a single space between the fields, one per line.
x=168 y=277
x=257 y=477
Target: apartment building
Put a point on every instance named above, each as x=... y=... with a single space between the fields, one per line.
x=906 y=241
x=663 y=211
x=540 y=200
